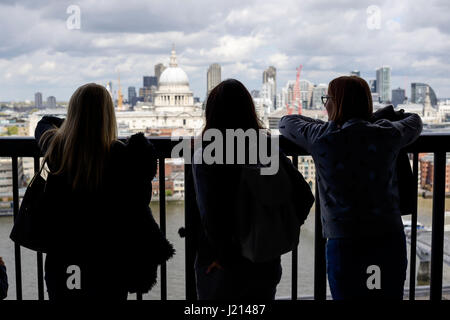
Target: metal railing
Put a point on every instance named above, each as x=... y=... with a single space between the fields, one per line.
x=438 y=144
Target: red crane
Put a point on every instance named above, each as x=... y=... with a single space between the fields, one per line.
x=297 y=96
x=296 y=99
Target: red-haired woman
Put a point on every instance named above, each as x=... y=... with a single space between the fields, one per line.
x=356 y=173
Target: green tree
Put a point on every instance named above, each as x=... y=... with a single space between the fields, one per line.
x=12 y=130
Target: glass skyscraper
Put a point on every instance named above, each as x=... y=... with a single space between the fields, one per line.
x=384 y=84
x=419 y=92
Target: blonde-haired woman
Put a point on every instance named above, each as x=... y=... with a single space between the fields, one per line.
x=105 y=240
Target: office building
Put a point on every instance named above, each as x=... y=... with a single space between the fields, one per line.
x=159 y=68
x=38 y=100
x=271 y=73
x=51 y=102
x=109 y=88
x=132 y=96
x=149 y=81
x=317 y=93
x=375 y=97
x=213 y=77
x=419 y=92
x=306 y=91
x=373 y=85
x=267 y=100
x=255 y=93
x=384 y=84
x=398 y=96
x=147 y=93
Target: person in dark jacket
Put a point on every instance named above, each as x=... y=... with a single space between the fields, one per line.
x=357 y=180
x=222 y=272
x=3 y=280
x=98 y=194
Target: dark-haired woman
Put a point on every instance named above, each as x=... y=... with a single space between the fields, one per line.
x=222 y=272
x=103 y=240
x=356 y=172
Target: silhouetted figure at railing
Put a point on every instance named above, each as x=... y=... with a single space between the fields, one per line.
x=3 y=280
x=233 y=260
x=357 y=180
x=102 y=239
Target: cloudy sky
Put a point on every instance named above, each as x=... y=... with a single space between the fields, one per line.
x=38 y=52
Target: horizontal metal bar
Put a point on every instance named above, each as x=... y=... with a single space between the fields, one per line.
x=27 y=146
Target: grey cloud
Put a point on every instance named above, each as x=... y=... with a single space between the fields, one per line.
x=327 y=37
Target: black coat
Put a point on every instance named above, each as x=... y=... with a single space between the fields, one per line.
x=407 y=185
x=111 y=233
x=3 y=283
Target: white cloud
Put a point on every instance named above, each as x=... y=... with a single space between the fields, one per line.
x=48 y=66
x=230 y=48
x=281 y=60
x=25 y=69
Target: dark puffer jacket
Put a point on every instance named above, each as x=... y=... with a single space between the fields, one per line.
x=110 y=234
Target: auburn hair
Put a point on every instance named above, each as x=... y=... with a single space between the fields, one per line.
x=80 y=147
x=351 y=98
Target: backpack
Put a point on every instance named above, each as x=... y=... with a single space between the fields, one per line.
x=270 y=210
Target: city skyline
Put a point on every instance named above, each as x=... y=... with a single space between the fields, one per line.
x=39 y=52
x=142 y=93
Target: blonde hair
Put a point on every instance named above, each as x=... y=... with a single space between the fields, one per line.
x=80 y=147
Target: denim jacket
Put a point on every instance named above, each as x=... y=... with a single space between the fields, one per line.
x=356 y=170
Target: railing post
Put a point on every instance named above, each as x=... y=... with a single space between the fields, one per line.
x=320 y=268
x=190 y=212
x=412 y=265
x=162 y=221
x=18 y=260
x=39 y=255
x=294 y=284
x=437 y=237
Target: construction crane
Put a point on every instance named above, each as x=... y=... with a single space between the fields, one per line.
x=297 y=95
x=119 y=97
x=296 y=99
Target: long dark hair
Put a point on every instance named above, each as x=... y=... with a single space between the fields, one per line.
x=80 y=146
x=230 y=106
x=351 y=98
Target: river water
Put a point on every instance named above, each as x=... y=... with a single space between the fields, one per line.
x=176 y=267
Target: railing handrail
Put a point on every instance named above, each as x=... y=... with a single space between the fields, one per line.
x=27 y=146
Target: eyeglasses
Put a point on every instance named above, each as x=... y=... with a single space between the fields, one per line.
x=325 y=99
